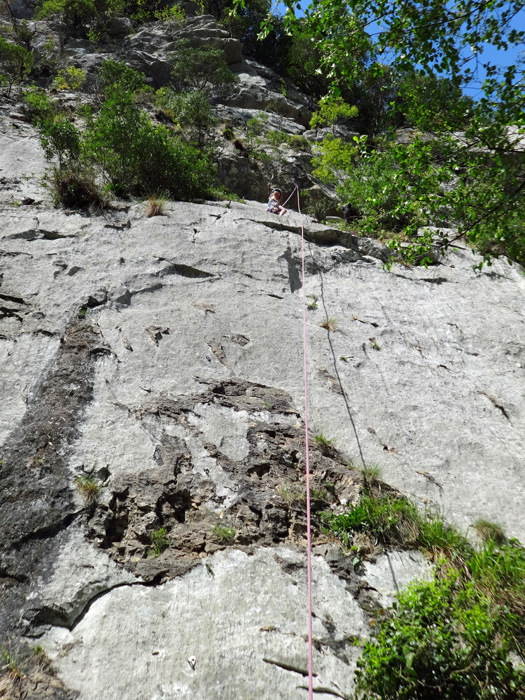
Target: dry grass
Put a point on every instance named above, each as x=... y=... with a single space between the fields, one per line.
x=329 y=325
x=155 y=206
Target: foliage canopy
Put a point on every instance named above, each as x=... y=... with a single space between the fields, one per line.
x=417 y=58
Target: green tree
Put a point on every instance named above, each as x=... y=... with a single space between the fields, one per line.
x=80 y=14
x=331 y=111
x=15 y=63
x=304 y=63
x=201 y=68
x=192 y=111
x=117 y=75
x=481 y=182
x=74 y=13
x=59 y=137
x=137 y=157
x=141 y=11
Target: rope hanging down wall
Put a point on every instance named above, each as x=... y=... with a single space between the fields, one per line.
x=308 y=512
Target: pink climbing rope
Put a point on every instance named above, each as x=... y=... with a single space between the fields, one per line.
x=293 y=192
x=308 y=530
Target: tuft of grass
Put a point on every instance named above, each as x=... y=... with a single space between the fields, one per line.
x=323 y=442
x=317 y=494
x=374 y=344
x=330 y=325
x=12 y=664
x=505 y=565
x=394 y=521
x=89 y=487
x=371 y=474
x=292 y=496
x=490 y=532
x=159 y=541
x=155 y=206
x=391 y=520
x=224 y=534
x=442 y=540
x=299 y=497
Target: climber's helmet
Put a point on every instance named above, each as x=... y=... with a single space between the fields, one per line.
x=277 y=191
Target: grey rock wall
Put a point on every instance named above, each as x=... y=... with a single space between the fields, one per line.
x=164 y=357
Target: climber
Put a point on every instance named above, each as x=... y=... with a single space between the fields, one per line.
x=273 y=203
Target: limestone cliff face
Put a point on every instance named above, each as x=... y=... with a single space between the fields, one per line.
x=163 y=356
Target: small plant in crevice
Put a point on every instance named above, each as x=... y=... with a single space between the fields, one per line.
x=159 y=542
x=330 y=487
x=224 y=534
x=89 y=487
x=371 y=474
x=12 y=664
x=312 y=305
x=318 y=494
x=22 y=669
x=330 y=325
x=374 y=344
x=290 y=496
x=298 y=498
x=323 y=442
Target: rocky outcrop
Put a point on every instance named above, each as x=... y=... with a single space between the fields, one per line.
x=160 y=360
x=259 y=89
x=163 y=357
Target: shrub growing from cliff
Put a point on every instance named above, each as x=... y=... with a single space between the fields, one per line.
x=117 y=75
x=190 y=110
x=75 y=186
x=453 y=637
x=201 y=68
x=74 y=13
x=59 y=137
x=137 y=157
x=119 y=147
x=15 y=63
x=444 y=640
